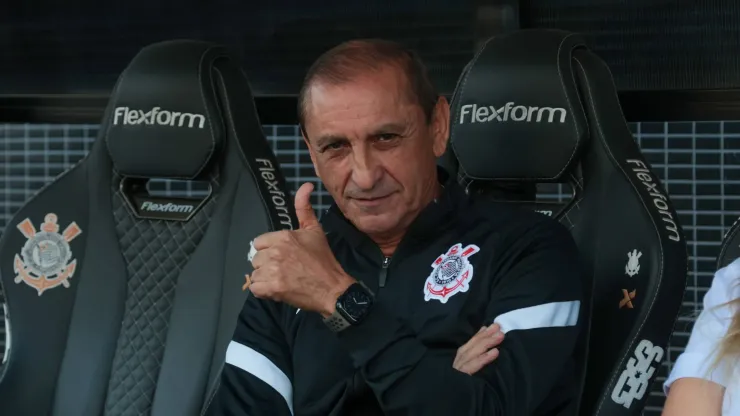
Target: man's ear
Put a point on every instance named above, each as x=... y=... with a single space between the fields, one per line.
x=440 y=126
x=310 y=150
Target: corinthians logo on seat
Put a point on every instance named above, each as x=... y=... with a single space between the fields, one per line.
x=46 y=257
x=451 y=273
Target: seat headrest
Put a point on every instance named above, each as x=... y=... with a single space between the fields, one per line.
x=516 y=112
x=163 y=120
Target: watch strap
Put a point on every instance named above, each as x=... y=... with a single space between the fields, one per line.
x=336 y=322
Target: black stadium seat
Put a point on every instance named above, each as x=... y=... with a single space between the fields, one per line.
x=730 y=249
x=121 y=302
x=538 y=106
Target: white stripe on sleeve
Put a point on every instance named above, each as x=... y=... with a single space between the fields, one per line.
x=261 y=367
x=548 y=315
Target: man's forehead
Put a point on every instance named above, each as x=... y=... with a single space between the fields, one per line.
x=369 y=105
x=388 y=81
x=361 y=93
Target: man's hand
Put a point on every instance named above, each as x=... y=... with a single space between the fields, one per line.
x=479 y=351
x=298 y=267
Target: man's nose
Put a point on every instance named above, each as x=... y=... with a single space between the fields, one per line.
x=366 y=170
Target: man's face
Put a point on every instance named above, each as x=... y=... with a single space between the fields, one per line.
x=374 y=150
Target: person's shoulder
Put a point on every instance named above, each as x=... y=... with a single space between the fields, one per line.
x=699 y=359
x=512 y=219
x=725 y=288
x=718 y=306
x=521 y=235
x=729 y=275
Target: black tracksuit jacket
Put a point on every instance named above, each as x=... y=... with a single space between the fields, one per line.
x=398 y=361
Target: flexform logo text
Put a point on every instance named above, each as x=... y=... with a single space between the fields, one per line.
x=474 y=113
x=168 y=207
x=157 y=116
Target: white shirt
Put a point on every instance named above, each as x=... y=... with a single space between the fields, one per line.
x=697 y=361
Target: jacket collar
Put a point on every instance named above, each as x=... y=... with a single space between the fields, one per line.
x=429 y=222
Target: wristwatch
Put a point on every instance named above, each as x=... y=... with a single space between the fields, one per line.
x=352 y=307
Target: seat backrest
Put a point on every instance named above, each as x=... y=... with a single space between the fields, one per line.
x=121 y=301
x=536 y=106
x=730 y=249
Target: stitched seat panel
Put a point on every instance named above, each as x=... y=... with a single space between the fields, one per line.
x=155 y=253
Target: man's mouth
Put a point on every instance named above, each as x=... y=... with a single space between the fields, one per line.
x=373 y=200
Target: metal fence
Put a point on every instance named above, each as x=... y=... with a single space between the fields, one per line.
x=697 y=161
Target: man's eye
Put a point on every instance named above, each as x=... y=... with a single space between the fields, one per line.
x=387 y=136
x=332 y=146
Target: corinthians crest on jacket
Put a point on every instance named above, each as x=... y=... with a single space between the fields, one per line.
x=451 y=273
x=46 y=258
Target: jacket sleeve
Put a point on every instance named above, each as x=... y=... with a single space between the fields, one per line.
x=535 y=297
x=257 y=375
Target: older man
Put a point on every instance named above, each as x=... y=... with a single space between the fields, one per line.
x=365 y=311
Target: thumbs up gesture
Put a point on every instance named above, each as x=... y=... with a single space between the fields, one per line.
x=298 y=267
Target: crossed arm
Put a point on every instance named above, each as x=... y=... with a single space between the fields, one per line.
x=536 y=302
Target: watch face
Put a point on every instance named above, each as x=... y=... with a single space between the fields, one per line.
x=355 y=303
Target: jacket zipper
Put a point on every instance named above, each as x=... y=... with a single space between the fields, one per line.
x=384 y=272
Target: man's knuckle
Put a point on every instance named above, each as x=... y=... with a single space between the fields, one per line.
x=286 y=236
x=276 y=253
x=276 y=271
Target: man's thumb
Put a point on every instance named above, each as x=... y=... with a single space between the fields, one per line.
x=303 y=209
